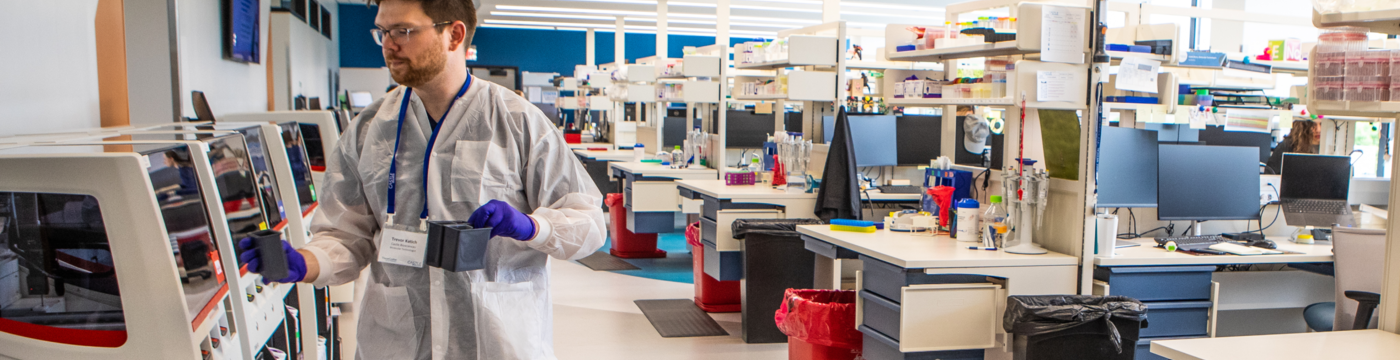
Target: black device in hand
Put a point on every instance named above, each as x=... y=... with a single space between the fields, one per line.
x=271 y=257
x=456 y=246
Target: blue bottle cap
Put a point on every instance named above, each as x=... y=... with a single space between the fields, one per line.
x=968 y=204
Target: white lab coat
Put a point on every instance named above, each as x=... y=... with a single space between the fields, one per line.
x=492 y=145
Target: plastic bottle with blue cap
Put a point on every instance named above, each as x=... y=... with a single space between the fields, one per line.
x=967 y=220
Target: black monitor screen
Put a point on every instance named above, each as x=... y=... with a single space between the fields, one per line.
x=871 y=135
x=746 y=130
x=262 y=174
x=919 y=138
x=1127 y=168
x=1308 y=176
x=1201 y=182
x=300 y=163
x=1216 y=135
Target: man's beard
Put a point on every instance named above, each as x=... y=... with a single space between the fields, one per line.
x=421 y=70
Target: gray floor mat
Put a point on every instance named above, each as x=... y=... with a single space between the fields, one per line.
x=679 y=318
x=602 y=261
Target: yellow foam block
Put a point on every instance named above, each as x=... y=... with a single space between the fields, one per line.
x=861 y=229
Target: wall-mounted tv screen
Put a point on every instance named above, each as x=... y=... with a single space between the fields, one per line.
x=241 y=30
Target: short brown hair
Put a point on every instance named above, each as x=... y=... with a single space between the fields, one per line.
x=446 y=10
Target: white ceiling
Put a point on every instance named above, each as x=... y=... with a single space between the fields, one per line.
x=748 y=18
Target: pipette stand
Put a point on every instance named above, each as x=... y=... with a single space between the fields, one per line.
x=1023 y=206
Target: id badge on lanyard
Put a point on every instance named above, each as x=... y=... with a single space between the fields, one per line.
x=400 y=244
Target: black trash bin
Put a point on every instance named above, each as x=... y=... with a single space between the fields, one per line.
x=1074 y=327
x=775 y=260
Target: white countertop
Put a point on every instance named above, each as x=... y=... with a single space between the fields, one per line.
x=656 y=169
x=1331 y=345
x=919 y=250
x=717 y=189
x=609 y=155
x=587 y=145
x=1148 y=254
x=876 y=195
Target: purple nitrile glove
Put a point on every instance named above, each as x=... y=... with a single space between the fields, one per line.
x=296 y=264
x=504 y=220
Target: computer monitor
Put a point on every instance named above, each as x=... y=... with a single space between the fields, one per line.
x=871 y=135
x=919 y=138
x=746 y=130
x=359 y=99
x=1174 y=133
x=313 y=103
x=1216 y=135
x=1310 y=176
x=201 y=106
x=1204 y=182
x=1127 y=168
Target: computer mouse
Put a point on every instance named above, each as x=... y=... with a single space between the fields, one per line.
x=1267 y=244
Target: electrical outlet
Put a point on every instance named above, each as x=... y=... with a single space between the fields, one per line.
x=1268 y=189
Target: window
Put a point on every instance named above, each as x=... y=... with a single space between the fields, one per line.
x=1370 y=159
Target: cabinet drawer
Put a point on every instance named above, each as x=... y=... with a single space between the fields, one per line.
x=655 y=196
x=720 y=232
x=723 y=265
x=877 y=346
x=886 y=280
x=879 y=314
x=713 y=206
x=1157 y=283
x=928 y=310
x=1177 y=318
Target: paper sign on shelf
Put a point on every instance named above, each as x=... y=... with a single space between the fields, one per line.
x=1061 y=35
x=1248 y=120
x=1138 y=74
x=1145 y=112
x=1054 y=86
x=1197 y=118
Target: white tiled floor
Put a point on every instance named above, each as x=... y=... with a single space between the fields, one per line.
x=594 y=318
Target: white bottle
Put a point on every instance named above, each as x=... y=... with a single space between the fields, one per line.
x=639 y=152
x=678 y=159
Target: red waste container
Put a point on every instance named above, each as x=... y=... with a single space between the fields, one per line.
x=625 y=243
x=710 y=295
x=820 y=324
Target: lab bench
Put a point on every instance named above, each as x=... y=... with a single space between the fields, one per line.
x=1184 y=293
x=722 y=204
x=650 y=195
x=596 y=163
x=930 y=297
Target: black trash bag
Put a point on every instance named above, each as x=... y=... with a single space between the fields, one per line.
x=1035 y=315
x=771 y=227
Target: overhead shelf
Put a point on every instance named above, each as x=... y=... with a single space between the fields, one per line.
x=1369 y=109
x=1381 y=21
x=961 y=52
x=886 y=65
x=1119 y=55
x=943 y=102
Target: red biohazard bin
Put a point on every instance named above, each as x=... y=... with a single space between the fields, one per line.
x=820 y=324
x=574 y=138
x=625 y=243
x=710 y=295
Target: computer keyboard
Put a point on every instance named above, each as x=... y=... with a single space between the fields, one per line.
x=1192 y=242
x=901 y=189
x=1317 y=207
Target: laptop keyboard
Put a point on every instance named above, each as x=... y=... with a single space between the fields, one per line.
x=1329 y=207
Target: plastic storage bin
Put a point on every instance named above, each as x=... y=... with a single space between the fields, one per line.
x=710 y=295
x=1329 y=88
x=625 y=243
x=1366 y=88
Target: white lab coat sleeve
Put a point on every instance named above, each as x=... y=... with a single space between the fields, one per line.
x=568 y=206
x=342 y=235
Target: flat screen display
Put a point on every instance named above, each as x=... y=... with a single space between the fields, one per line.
x=241 y=30
x=301 y=167
x=1127 y=168
x=176 y=185
x=1202 y=182
x=1309 y=176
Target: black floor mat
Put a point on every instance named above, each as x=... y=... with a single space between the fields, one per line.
x=679 y=318
x=602 y=261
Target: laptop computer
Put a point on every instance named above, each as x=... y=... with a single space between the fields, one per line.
x=1313 y=190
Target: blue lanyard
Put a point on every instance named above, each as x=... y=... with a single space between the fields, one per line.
x=427 y=154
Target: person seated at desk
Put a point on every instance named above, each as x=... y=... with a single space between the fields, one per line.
x=1303 y=138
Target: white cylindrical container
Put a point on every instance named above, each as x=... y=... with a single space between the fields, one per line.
x=1108 y=233
x=967 y=220
x=639 y=152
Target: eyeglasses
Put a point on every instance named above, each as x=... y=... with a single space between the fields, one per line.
x=397 y=35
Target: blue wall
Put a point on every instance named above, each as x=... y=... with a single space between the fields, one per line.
x=529 y=49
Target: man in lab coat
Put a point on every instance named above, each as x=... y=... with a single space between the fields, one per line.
x=495 y=161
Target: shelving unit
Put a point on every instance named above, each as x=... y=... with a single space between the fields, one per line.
x=1386 y=22
x=814 y=69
